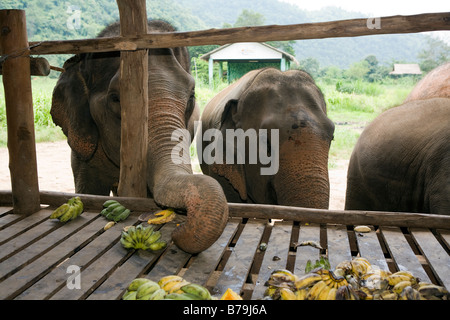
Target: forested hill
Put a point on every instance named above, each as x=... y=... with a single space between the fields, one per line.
x=75 y=19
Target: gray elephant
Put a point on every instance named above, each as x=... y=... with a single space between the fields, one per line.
x=86 y=104
x=290 y=157
x=401 y=162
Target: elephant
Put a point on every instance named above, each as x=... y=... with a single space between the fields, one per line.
x=287 y=103
x=401 y=161
x=86 y=105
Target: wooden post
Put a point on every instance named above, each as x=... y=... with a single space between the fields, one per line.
x=19 y=111
x=134 y=103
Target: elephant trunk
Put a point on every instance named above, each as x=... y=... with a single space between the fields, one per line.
x=302 y=179
x=173 y=185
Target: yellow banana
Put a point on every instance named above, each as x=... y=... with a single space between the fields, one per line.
x=393 y=279
x=301 y=294
x=167 y=279
x=164 y=216
x=175 y=286
x=398 y=288
x=315 y=290
x=331 y=294
x=283 y=275
x=307 y=280
x=389 y=295
x=109 y=225
x=323 y=294
x=287 y=294
x=431 y=291
x=409 y=293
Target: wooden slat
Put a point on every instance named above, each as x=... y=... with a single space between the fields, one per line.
x=58 y=276
x=320 y=30
x=338 y=245
x=238 y=265
x=310 y=232
x=437 y=257
x=275 y=256
x=135 y=266
x=23 y=225
x=205 y=262
x=34 y=250
x=35 y=269
x=403 y=255
x=445 y=234
x=370 y=248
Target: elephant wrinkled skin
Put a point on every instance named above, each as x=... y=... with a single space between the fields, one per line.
x=86 y=104
x=291 y=103
x=401 y=161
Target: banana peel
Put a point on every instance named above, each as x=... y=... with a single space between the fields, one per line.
x=163 y=216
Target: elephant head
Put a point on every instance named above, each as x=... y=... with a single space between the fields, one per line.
x=292 y=104
x=86 y=104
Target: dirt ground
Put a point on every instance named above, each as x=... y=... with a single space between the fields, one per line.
x=55 y=173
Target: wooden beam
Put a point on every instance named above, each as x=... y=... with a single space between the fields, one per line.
x=262 y=211
x=133 y=102
x=321 y=30
x=19 y=111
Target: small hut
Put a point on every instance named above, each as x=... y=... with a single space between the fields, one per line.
x=401 y=69
x=246 y=56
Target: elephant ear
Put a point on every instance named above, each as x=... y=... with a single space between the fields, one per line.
x=70 y=109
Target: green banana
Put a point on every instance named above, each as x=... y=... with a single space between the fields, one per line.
x=146 y=288
x=136 y=283
x=107 y=203
x=60 y=211
x=69 y=214
x=129 y=295
x=122 y=216
x=158 y=294
x=181 y=296
x=157 y=245
x=155 y=236
x=197 y=290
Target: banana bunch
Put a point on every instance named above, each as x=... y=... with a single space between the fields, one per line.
x=114 y=211
x=141 y=237
x=351 y=280
x=69 y=210
x=167 y=288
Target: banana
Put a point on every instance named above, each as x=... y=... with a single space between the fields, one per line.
x=315 y=290
x=323 y=294
x=287 y=294
x=107 y=203
x=307 y=280
x=345 y=293
x=197 y=290
x=283 y=275
x=399 y=287
x=168 y=279
x=60 y=211
x=129 y=295
x=158 y=245
x=109 y=225
x=389 y=295
x=158 y=295
x=331 y=294
x=409 y=293
x=181 y=296
x=155 y=236
x=394 y=278
x=122 y=216
x=431 y=291
x=164 y=216
x=146 y=289
x=68 y=215
x=136 y=283
x=301 y=294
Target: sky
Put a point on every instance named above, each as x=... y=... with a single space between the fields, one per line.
x=377 y=8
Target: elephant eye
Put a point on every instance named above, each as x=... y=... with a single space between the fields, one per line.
x=114 y=97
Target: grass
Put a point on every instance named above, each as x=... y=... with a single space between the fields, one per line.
x=350 y=105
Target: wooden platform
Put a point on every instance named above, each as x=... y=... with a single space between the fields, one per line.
x=36 y=255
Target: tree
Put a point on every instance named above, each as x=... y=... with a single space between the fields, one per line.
x=310 y=65
x=437 y=53
x=358 y=70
